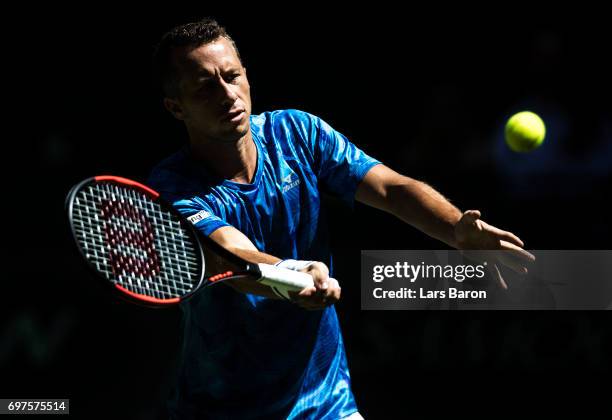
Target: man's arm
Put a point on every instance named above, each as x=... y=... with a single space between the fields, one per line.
x=412 y=201
x=324 y=293
x=419 y=205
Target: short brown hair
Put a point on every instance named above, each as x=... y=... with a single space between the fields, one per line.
x=191 y=34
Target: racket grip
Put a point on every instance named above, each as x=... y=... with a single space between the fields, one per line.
x=284 y=278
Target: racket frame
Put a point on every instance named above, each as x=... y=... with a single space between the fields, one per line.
x=117 y=289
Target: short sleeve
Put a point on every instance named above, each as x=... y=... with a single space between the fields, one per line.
x=200 y=214
x=340 y=164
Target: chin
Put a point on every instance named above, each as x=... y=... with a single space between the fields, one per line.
x=234 y=134
x=242 y=128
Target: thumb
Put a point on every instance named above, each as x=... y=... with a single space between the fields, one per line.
x=321 y=282
x=473 y=215
x=320 y=275
x=320 y=279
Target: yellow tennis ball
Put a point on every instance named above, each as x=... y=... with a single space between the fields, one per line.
x=525 y=131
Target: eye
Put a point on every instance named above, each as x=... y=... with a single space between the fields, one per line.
x=232 y=78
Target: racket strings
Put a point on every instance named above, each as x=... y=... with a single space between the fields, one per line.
x=135 y=243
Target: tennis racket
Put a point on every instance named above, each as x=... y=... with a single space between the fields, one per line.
x=149 y=253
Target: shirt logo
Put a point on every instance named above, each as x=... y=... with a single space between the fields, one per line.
x=289 y=183
x=201 y=215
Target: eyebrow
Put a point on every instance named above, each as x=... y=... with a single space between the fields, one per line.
x=203 y=75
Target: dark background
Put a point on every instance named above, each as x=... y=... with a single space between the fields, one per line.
x=425 y=91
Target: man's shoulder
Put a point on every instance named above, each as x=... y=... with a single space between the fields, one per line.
x=287 y=127
x=282 y=117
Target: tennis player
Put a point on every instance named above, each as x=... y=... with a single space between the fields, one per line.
x=253 y=183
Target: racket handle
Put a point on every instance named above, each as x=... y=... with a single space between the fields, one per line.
x=284 y=278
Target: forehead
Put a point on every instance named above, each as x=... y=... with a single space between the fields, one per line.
x=219 y=54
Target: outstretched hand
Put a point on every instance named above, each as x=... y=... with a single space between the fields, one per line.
x=473 y=235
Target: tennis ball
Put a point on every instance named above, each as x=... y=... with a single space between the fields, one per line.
x=525 y=131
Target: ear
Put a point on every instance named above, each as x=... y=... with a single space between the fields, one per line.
x=174 y=107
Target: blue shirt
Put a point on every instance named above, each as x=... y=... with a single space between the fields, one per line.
x=246 y=356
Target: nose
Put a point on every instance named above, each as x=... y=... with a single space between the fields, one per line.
x=228 y=96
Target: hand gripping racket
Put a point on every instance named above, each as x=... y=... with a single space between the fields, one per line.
x=148 y=252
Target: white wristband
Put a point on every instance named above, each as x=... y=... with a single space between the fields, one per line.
x=295 y=265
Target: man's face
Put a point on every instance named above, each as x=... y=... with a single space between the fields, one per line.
x=214 y=97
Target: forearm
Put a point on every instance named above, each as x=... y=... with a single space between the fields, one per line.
x=237 y=243
x=249 y=286
x=412 y=201
x=419 y=205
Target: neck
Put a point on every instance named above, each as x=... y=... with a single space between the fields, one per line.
x=235 y=161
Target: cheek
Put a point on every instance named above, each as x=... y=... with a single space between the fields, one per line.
x=199 y=107
x=246 y=95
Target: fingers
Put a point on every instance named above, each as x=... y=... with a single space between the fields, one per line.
x=498 y=277
x=500 y=256
x=475 y=234
x=312 y=299
x=332 y=294
x=514 y=258
x=494 y=233
x=325 y=292
x=503 y=234
x=517 y=252
x=511 y=264
x=304 y=293
x=320 y=275
x=321 y=282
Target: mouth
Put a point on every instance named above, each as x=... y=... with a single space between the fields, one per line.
x=233 y=116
